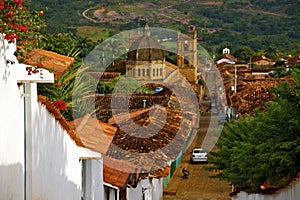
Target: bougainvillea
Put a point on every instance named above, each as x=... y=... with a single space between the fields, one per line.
x=17 y=22
x=60 y=104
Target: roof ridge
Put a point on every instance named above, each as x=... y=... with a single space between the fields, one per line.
x=61 y=119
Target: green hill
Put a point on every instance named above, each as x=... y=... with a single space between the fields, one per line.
x=230 y=23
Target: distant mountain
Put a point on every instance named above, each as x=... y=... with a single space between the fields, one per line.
x=224 y=23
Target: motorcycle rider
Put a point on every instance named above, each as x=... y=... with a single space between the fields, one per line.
x=185 y=172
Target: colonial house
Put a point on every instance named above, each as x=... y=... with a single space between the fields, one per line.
x=41 y=157
x=262 y=61
x=293 y=61
x=226 y=58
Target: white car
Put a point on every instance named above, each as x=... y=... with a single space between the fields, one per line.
x=199 y=155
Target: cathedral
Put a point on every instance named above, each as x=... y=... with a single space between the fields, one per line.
x=146 y=58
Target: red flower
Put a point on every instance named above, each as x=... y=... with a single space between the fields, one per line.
x=57 y=84
x=1 y=7
x=11 y=37
x=23 y=28
x=40 y=64
x=41 y=13
x=60 y=104
x=23 y=42
x=18 y=2
x=10 y=14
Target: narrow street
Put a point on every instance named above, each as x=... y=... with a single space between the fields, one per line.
x=199 y=186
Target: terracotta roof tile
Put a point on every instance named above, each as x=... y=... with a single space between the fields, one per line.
x=168 y=135
x=50 y=60
x=94 y=134
x=294 y=60
x=104 y=76
x=228 y=56
x=90 y=133
x=259 y=58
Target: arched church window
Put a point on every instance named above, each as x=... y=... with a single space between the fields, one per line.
x=186 y=60
x=148 y=72
x=143 y=72
x=186 y=45
x=160 y=71
x=153 y=72
x=139 y=72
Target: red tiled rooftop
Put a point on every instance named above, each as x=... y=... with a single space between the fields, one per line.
x=259 y=58
x=104 y=76
x=50 y=60
x=94 y=134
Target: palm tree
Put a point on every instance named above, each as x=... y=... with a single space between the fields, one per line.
x=272 y=52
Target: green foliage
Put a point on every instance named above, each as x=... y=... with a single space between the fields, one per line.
x=258 y=24
x=66 y=44
x=244 y=54
x=264 y=147
x=122 y=85
x=65 y=89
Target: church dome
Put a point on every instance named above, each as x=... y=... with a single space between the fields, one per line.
x=145 y=48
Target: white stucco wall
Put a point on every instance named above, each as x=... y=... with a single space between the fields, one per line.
x=153 y=190
x=291 y=192
x=11 y=127
x=55 y=163
x=53 y=160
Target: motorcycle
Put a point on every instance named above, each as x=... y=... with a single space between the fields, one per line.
x=185 y=173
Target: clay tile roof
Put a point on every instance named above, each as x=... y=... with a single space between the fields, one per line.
x=259 y=58
x=228 y=56
x=294 y=60
x=112 y=174
x=94 y=134
x=121 y=173
x=159 y=143
x=50 y=60
x=63 y=122
x=104 y=76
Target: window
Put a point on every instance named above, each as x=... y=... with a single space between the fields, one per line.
x=186 y=47
x=186 y=60
x=83 y=179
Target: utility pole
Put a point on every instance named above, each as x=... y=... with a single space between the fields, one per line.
x=235 y=78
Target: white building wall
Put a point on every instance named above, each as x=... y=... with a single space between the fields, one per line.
x=153 y=190
x=291 y=192
x=11 y=127
x=55 y=163
x=53 y=167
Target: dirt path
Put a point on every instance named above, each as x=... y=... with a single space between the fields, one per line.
x=199 y=186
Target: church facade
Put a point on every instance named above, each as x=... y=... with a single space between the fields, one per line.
x=146 y=58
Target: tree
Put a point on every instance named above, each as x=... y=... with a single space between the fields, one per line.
x=265 y=147
x=272 y=52
x=244 y=54
x=20 y=24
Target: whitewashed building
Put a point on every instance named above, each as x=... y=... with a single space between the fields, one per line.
x=39 y=159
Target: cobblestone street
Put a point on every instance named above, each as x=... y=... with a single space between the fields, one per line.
x=199 y=186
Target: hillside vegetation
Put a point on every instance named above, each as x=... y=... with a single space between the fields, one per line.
x=230 y=23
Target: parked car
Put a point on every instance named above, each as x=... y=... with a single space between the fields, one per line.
x=222 y=118
x=198 y=155
x=158 y=89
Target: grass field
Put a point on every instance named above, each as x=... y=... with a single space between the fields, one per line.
x=94 y=33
